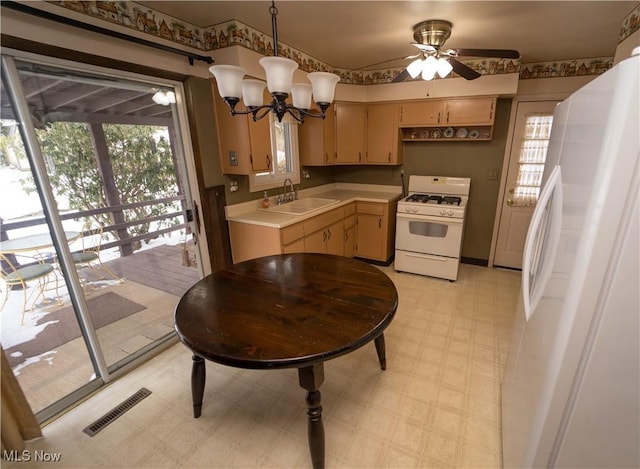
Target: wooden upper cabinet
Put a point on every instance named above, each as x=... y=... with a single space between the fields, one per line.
x=351 y=132
x=234 y=147
x=469 y=111
x=421 y=113
x=261 y=156
x=384 y=145
x=244 y=146
x=448 y=112
x=317 y=140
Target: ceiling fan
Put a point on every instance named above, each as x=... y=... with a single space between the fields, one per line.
x=430 y=36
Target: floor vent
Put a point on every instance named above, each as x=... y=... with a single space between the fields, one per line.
x=116 y=412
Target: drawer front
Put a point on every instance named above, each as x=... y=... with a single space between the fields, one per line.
x=349 y=209
x=320 y=221
x=291 y=233
x=350 y=221
x=371 y=208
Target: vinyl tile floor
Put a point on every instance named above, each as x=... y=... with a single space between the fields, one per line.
x=437 y=405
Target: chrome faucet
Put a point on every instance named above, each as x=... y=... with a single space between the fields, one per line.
x=288 y=197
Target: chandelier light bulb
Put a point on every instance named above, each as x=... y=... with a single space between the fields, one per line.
x=252 y=92
x=323 y=85
x=279 y=72
x=229 y=79
x=301 y=95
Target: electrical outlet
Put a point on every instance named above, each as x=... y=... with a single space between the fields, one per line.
x=492 y=175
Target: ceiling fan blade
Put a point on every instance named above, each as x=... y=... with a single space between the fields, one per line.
x=498 y=53
x=462 y=70
x=424 y=47
x=400 y=77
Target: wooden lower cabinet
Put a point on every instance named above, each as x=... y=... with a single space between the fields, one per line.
x=329 y=240
x=350 y=230
x=341 y=231
x=375 y=230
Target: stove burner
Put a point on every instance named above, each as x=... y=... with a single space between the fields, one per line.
x=434 y=199
x=424 y=198
x=451 y=200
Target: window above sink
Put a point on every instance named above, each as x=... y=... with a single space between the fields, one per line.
x=284 y=145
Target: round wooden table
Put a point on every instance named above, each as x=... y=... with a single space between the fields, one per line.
x=286 y=311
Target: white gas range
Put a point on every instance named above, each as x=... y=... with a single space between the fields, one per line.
x=430 y=225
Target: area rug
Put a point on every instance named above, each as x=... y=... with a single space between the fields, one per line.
x=62 y=325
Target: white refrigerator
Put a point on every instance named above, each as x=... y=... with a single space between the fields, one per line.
x=571 y=387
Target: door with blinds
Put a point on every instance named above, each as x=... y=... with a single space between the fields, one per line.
x=524 y=177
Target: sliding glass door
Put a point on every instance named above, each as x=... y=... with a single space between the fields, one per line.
x=95 y=202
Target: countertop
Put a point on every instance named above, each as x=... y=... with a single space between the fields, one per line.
x=345 y=193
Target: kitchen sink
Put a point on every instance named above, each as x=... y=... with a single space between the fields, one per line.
x=302 y=206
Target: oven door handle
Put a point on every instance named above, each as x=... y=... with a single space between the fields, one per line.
x=428 y=256
x=431 y=218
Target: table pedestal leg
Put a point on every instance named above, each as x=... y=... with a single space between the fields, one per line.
x=380 y=348
x=198 y=376
x=311 y=378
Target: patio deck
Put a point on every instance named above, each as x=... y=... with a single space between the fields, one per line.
x=155 y=279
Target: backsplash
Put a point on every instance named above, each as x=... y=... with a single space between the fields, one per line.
x=231 y=33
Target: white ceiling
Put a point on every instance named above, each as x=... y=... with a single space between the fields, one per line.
x=355 y=34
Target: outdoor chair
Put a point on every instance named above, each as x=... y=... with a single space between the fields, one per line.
x=18 y=270
x=89 y=256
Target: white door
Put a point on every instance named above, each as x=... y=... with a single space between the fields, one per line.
x=524 y=176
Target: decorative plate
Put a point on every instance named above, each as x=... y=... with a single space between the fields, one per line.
x=436 y=133
x=462 y=133
x=424 y=134
x=474 y=134
x=448 y=132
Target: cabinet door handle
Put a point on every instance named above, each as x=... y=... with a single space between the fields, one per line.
x=438 y=117
x=268 y=162
x=379 y=222
x=326 y=157
x=389 y=157
x=324 y=236
x=359 y=156
x=447 y=117
x=329 y=233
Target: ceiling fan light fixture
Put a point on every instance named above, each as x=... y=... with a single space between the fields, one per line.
x=429 y=68
x=443 y=68
x=415 y=67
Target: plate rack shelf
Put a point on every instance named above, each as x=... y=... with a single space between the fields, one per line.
x=447 y=134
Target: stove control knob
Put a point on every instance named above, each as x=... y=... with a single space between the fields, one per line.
x=450 y=213
x=443 y=212
x=407 y=209
x=414 y=209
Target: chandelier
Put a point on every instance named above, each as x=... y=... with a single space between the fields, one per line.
x=279 y=72
x=428 y=67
